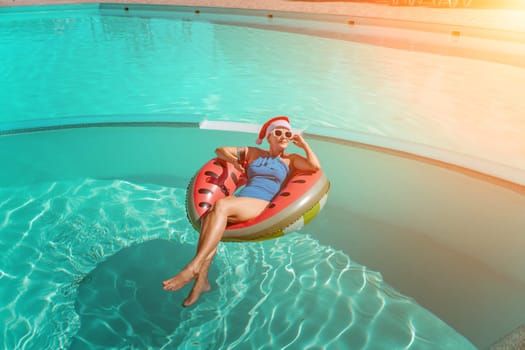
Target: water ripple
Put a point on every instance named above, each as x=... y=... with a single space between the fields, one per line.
x=83 y=262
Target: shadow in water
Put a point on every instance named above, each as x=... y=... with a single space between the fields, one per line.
x=121 y=304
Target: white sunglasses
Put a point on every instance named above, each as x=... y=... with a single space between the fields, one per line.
x=279 y=133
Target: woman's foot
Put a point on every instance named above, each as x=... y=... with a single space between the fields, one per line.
x=201 y=285
x=181 y=279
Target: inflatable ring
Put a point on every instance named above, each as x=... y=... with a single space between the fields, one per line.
x=297 y=203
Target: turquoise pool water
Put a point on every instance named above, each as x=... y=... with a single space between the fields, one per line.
x=107 y=65
x=83 y=258
x=84 y=255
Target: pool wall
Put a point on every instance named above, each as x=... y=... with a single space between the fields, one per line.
x=451 y=240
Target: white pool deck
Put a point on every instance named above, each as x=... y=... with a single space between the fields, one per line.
x=492 y=132
x=511 y=18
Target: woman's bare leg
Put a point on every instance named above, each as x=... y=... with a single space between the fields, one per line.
x=233 y=208
x=201 y=284
x=211 y=234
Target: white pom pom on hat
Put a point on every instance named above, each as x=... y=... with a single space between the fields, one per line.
x=267 y=128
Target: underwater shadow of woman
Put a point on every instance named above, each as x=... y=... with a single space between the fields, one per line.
x=119 y=302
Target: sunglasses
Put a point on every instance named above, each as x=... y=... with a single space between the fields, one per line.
x=279 y=133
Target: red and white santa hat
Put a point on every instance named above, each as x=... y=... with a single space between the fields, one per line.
x=280 y=121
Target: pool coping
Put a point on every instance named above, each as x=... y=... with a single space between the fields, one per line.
x=454 y=29
x=503 y=17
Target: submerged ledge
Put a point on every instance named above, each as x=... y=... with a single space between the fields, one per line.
x=499 y=174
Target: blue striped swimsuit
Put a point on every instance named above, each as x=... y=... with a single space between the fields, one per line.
x=265 y=177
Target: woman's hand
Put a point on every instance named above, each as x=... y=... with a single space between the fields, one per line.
x=310 y=163
x=232 y=155
x=237 y=165
x=299 y=141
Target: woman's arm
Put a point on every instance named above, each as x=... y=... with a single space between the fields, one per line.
x=311 y=162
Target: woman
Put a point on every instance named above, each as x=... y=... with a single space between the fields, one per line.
x=266 y=171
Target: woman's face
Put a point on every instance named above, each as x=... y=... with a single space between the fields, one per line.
x=280 y=137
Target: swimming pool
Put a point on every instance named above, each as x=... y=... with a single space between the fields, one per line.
x=95 y=188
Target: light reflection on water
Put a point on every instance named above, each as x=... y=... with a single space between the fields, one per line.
x=84 y=261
